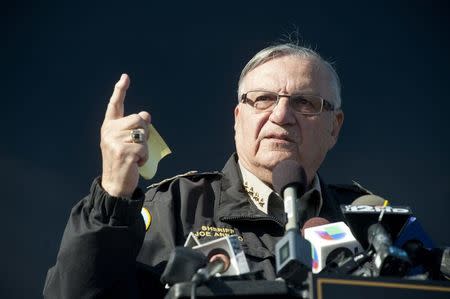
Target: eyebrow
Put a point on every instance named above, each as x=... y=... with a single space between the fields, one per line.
x=261 y=89
x=298 y=92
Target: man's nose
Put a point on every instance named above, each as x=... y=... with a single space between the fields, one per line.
x=282 y=113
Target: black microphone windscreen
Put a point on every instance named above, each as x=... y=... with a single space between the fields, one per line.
x=182 y=265
x=287 y=173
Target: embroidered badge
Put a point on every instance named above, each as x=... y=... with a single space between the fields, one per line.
x=254 y=195
x=215 y=232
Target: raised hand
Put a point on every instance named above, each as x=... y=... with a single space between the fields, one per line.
x=121 y=157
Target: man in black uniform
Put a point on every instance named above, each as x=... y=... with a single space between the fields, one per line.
x=118 y=239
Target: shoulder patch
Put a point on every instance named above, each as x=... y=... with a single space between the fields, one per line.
x=189 y=174
x=147 y=218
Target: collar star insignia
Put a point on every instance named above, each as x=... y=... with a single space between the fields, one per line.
x=254 y=195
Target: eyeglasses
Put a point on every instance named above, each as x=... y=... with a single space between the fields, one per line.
x=265 y=101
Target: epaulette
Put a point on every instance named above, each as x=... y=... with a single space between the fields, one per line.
x=190 y=174
x=355 y=187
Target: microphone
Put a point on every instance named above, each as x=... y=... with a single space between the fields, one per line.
x=445 y=263
x=412 y=230
x=293 y=257
x=409 y=237
x=292 y=251
x=219 y=262
x=350 y=265
x=182 y=264
x=413 y=239
x=433 y=262
x=330 y=242
x=389 y=260
x=289 y=181
x=230 y=246
x=425 y=258
x=365 y=211
x=374 y=232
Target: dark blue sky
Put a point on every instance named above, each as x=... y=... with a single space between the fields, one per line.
x=60 y=62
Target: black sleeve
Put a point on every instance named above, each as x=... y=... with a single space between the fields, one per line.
x=97 y=257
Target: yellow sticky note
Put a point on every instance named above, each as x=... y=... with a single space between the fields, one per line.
x=157 y=149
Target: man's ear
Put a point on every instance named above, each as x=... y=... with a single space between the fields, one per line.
x=236 y=115
x=338 y=120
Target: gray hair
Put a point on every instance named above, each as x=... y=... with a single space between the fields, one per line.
x=276 y=51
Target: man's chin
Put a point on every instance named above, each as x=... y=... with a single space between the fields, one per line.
x=272 y=158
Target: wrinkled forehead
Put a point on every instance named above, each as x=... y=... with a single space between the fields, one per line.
x=292 y=73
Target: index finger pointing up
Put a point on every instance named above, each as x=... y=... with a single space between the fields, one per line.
x=115 y=108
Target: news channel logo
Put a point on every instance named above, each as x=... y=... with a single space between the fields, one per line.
x=331 y=233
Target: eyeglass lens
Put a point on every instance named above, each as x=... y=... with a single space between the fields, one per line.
x=266 y=101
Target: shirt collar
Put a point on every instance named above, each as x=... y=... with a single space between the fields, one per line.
x=259 y=192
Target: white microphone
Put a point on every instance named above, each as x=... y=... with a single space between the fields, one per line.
x=328 y=241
